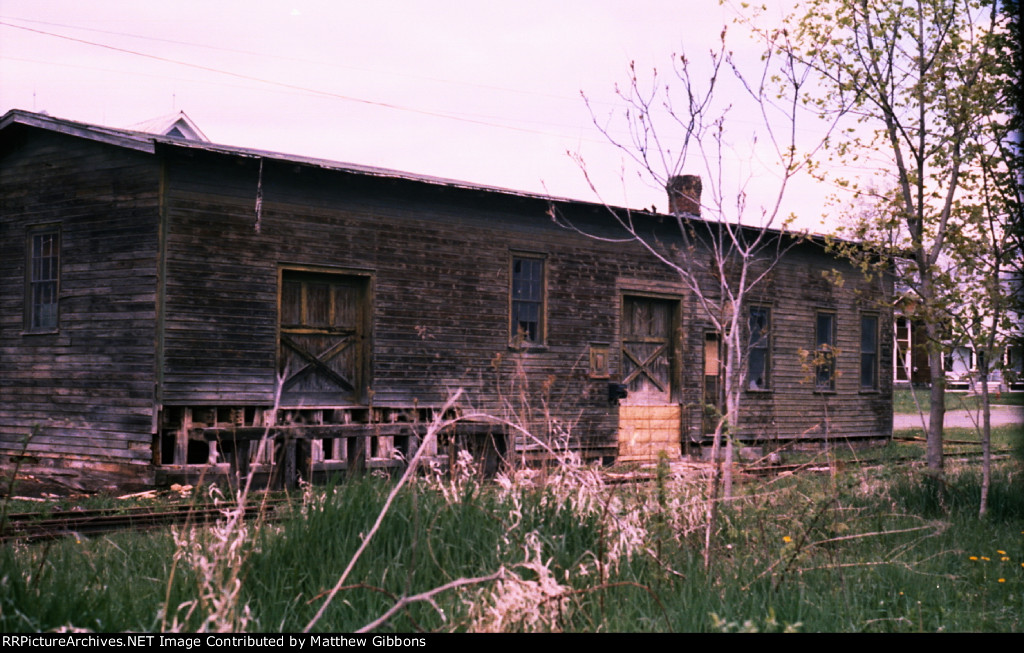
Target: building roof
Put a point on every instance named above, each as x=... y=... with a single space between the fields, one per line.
x=146 y=141
x=175 y=125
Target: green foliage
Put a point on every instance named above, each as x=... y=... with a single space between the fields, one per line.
x=922 y=94
x=1006 y=501
x=861 y=550
x=118 y=582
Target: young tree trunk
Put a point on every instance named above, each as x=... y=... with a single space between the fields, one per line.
x=937 y=414
x=986 y=442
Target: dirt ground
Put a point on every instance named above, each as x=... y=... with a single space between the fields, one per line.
x=48 y=482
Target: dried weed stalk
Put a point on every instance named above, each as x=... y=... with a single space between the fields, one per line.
x=216 y=555
x=516 y=603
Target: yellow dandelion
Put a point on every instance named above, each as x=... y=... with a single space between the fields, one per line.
x=787 y=539
x=974 y=557
x=984 y=558
x=1002 y=580
x=1002 y=553
x=1005 y=558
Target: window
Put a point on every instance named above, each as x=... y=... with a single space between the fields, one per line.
x=903 y=349
x=526 y=325
x=42 y=279
x=869 y=352
x=759 y=349
x=824 y=354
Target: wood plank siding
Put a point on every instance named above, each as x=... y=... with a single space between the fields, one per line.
x=194 y=277
x=438 y=263
x=85 y=387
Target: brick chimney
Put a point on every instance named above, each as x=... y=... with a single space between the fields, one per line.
x=684 y=194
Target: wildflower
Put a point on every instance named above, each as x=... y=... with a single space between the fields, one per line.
x=974 y=557
x=787 y=539
x=984 y=558
x=1002 y=553
x=1002 y=580
x=1005 y=558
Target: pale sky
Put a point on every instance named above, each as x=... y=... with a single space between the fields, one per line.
x=480 y=91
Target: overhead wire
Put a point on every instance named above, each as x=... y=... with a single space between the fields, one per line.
x=518 y=91
x=295 y=87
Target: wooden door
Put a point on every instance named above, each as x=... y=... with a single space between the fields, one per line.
x=647 y=349
x=650 y=415
x=323 y=347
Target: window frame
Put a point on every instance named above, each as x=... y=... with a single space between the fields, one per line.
x=825 y=352
x=538 y=301
x=34 y=323
x=875 y=354
x=902 y=347
x=763 y=344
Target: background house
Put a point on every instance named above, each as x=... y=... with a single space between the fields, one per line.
x=961 y=362
x=161 y=293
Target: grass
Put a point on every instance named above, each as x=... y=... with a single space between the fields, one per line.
x=866 y=549
x=903 y=400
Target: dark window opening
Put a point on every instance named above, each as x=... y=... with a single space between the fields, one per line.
x=527 y=309
x=869 y=352
x=824 y=355
x=43 y=283
x=759 y=349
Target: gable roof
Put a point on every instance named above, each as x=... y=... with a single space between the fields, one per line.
x=174 y=125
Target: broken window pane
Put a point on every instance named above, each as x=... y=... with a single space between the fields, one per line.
x=527 y=300
x=758 y=351
x=824 y=360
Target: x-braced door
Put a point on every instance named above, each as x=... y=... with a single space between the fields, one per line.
x=647 y=349
x=650 y=415
x=323 y=349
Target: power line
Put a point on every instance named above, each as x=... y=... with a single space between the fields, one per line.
x=292 y=87
x=301 y=60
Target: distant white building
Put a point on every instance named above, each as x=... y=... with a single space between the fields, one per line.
x=961 y=362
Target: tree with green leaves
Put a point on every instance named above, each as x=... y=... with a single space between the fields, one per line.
x=922 y=87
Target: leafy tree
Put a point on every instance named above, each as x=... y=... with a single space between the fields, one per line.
x=924 y=83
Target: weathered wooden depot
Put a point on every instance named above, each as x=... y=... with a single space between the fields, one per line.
x=161 y=296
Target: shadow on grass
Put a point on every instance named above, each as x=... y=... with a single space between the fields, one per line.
x=918 y=494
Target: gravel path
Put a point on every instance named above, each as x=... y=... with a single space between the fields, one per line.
x=1001 y=415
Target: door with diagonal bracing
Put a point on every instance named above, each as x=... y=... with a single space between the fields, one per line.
x=649 y=417
x=647 y=349
x=323 y=344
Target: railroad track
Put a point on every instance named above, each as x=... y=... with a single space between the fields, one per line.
x=42 y=526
